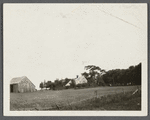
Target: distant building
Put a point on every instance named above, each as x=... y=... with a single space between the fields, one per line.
x=68 y=84
x=21 y=85
x=78 y=80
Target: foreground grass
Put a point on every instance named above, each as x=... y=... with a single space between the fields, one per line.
x=119 y=101
x=80 y=99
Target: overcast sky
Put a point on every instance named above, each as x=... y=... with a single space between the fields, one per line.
x=49 y=41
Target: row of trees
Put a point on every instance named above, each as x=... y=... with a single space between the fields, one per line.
x=57 y=84
x=130 y=76
x=99 y=77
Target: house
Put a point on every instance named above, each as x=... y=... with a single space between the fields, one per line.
x=68 y=84
x=78 y=80
x=21 y=85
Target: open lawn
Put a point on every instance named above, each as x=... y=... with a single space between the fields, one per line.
x=47 y=100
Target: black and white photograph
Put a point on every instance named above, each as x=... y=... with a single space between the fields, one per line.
x=75 y=59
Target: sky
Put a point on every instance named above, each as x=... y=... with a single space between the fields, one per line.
x=55 y=41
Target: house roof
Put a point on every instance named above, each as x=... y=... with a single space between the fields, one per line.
x=68 y=84
x=18 y=80
x=80 y=78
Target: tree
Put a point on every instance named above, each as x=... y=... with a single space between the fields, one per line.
x=53 y=85
x=88 y=77
x=58 y=84
x=95 y=74
x=130 y=76
x=41 y=85
x=100 y=81
x=44 y=84
x=66 y=81
x=73 y=84
x=137 y=78
x=56 y=81
x=48 y=85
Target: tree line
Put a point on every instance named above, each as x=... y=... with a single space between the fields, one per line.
x=57 y=84
x=99 y=77
x=130 y=76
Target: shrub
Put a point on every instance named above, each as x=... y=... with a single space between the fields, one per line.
x=79 y=85
x=67 y=87
x=84 y=85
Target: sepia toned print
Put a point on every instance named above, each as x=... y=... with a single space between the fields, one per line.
x=75 y=59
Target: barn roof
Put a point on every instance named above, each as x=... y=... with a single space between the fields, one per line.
x=18 y=80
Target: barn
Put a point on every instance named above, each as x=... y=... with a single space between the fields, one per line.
x=21 y=85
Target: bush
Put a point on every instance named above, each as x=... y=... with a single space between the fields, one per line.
x=59 y=88
x=67 y=87
x=84 y=85
x=79 y=85
x=73 y=84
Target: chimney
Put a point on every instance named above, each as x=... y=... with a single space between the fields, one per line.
x=77 y=76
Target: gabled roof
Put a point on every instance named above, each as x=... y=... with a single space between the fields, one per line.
x=19 y=79
x=80 y=80
x=16 y=80
x=68 y=84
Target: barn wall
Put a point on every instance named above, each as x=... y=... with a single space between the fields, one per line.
x=15 y=88
x=26 y=86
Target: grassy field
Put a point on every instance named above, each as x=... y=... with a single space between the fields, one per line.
x=50 y=100
x=117 y=101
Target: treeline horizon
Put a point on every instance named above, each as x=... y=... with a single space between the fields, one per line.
x=99 y=77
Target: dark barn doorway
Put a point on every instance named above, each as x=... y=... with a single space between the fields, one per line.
x=14 y=88
x=11 y=88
